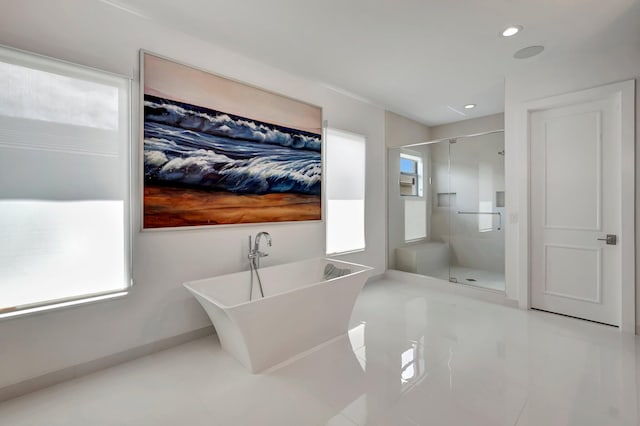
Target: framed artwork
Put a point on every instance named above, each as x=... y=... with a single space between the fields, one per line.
x=220 y=152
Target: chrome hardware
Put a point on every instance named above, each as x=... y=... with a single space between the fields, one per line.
x=254 y=251
x=499 y=214
x=254 y=260
x=611 y=239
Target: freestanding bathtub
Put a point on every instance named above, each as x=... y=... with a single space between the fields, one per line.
x=300 y=309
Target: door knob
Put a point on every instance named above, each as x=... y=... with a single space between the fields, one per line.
x=611 y=239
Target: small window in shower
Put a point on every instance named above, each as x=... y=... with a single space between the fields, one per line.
x=410 y=175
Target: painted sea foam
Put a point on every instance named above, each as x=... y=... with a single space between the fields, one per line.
x=187 y=145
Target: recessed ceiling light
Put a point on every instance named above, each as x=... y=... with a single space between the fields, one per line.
x=470 y=106
x=511 y=31
x=528 y=52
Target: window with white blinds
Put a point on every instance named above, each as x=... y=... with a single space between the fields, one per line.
x=64 y=184
x=345 y=188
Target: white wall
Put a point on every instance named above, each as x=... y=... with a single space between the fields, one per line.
x=98 y=35
x=468 y=127
x=534 y=81
x=401 y=131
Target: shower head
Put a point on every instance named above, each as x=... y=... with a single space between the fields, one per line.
x=501 y=152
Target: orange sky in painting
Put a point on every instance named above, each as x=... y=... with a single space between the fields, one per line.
x=181 y=83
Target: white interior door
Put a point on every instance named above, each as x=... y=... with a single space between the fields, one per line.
x=575 y=204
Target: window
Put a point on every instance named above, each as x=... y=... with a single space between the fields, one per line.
x=345 y=185
x=410 y=175
x=64 y=184
x=411 y=187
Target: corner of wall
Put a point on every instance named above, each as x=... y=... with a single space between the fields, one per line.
x=400 y=130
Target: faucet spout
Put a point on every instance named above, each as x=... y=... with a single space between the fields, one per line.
x=266 y=235
x=254 y=253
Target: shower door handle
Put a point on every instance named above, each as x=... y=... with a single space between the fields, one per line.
x=499 y=214
x=611 y=239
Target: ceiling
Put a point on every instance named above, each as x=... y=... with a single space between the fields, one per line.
x=423 y=59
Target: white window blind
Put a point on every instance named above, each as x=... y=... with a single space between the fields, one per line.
x=64 y=183
x=345 y=187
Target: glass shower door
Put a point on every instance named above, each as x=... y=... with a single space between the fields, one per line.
x=476 y=236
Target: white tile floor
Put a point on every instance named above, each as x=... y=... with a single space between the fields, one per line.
x=481 y=278
x=484 y=279
x=413 y=357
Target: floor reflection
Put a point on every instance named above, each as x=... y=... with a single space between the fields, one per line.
x=411 y=357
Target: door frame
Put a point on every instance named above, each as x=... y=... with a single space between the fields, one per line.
x=625 y=93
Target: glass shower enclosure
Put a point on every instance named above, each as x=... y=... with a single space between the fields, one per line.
x=446 y=204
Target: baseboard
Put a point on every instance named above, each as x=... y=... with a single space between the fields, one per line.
x=56 y=377
x=487 y=295
x=511 y=303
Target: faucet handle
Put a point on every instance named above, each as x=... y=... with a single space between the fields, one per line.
x=253 y=254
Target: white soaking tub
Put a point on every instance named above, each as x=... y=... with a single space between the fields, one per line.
x=300 y=309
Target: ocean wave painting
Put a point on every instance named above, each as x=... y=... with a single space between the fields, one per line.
x=206 y=166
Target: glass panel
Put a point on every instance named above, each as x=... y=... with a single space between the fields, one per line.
x=417 y=224
x=454 y=228
x=407 y=165
x=435 y=255
x=477 y=220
